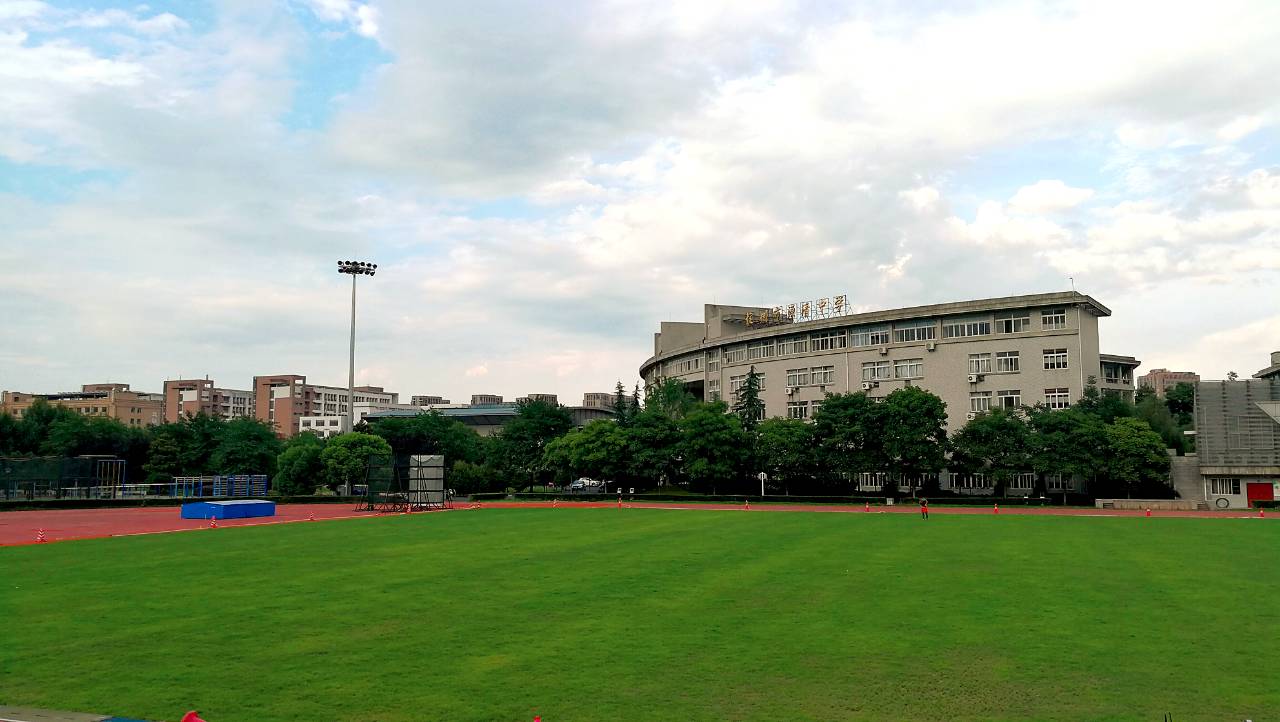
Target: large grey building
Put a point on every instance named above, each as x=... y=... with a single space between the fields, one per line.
x=975 y=355
x=1238 y=438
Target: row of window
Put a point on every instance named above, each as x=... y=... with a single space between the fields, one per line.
x=907 y=368
x=1224 y=486
x=1019 y=482
x=812 y=376
x=1012 y=398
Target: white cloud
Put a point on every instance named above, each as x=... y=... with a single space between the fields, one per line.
x=1048 y=196
x=477 y=371
x=1240 y=127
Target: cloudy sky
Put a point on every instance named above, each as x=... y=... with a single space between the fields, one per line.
x=541 y=183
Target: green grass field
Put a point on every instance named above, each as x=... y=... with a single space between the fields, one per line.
x=654 y=615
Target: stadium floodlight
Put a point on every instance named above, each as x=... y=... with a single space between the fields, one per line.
x=353 y=269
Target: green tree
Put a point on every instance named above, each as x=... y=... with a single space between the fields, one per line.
x=517 y=450
x=1137 y=462
x=32 y=430
x=471 y=478
x=1156 y=413
x=786 y=452
x=346 y=457
x=599 y=450
x=622 y=410
x=996 y=443
x=246 y=446
x=1070 y=442
x=711 y=444
x=914 y=433
x=77 y=435
x=431 y=433
x=747 y=405
x=653 y=442
x=847 y=435
x=164 y=459
x=1143 y=392
x=300 y=466
x=9 y=434
x=670 y=398
x=1181 y=402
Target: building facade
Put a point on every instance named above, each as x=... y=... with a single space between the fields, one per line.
x=1238 y=440
x=116 y=401
x=552 y=399
x=188 y=397
x=975 y=355
x=428 y=400
x=283 y=400
x=597 y=400
x=1161 y=380
x=486 y=400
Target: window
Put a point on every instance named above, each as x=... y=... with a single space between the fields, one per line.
x=871 y=481
x=333 y=422
x=759 y=349
x=909 y=368
x=1058 y=482
x=910 y=331
x=876 y=370
x=797 y=409
x=979 y=401
x=1013 y=322
x=793 y=344
x=797 y=377
x=713 y=385
x=306 y=422
x=1010 y=399
x=959 y=328
x=735 y=354
x=713 y=365
x=1237 y=432
x=969 y=481
x=1224 y=486
x=979 y=363
x=1007 y=362
x=1055 y=358
x=869 y=336
x=1057 y=398
x=827 y=340
x=1053 y=318
x=736 y=382
x=1022 y=482
x=823 y=375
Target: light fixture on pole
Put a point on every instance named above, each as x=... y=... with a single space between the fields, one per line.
x=353 y=269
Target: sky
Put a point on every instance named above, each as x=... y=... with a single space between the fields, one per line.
x=542 y=183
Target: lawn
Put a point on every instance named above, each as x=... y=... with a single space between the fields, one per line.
x=638 y=614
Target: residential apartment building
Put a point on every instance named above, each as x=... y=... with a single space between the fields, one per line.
x=1161 y=380
x=486 y=400
x=975 y=355
x=283 y=400
x=116 y=401
x=188 y=397
x=552 y=399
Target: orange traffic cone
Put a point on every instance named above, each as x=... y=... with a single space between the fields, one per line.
x=997 y=509
x=1148 y=511
x=40 y=536
x=213 y=522
x=553 y=503
x=311 y=516
x=1262 y=513
x=866 y=506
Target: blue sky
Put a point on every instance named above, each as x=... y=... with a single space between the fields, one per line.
x=541 y=184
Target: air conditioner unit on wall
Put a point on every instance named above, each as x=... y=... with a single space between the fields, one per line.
x=932 y=346
x=868 y=385
x=791 y=390
x=975 y=378
x=884 y=350
x=971 y=415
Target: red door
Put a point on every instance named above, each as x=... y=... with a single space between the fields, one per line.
x=1260 y=492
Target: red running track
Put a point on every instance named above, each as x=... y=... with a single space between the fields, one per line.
x=21 y=527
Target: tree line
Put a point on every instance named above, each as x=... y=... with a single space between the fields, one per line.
x=669 y=439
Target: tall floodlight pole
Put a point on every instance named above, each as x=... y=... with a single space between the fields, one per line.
x=353 y=269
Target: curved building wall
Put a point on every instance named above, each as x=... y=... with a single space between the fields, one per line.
x=975 y=355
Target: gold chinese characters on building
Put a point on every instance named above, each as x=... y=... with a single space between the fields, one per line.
x=799 y=312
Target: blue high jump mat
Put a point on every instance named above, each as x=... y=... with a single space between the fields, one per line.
x=237 y=509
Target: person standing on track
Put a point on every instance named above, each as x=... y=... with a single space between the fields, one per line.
x=924 y=508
